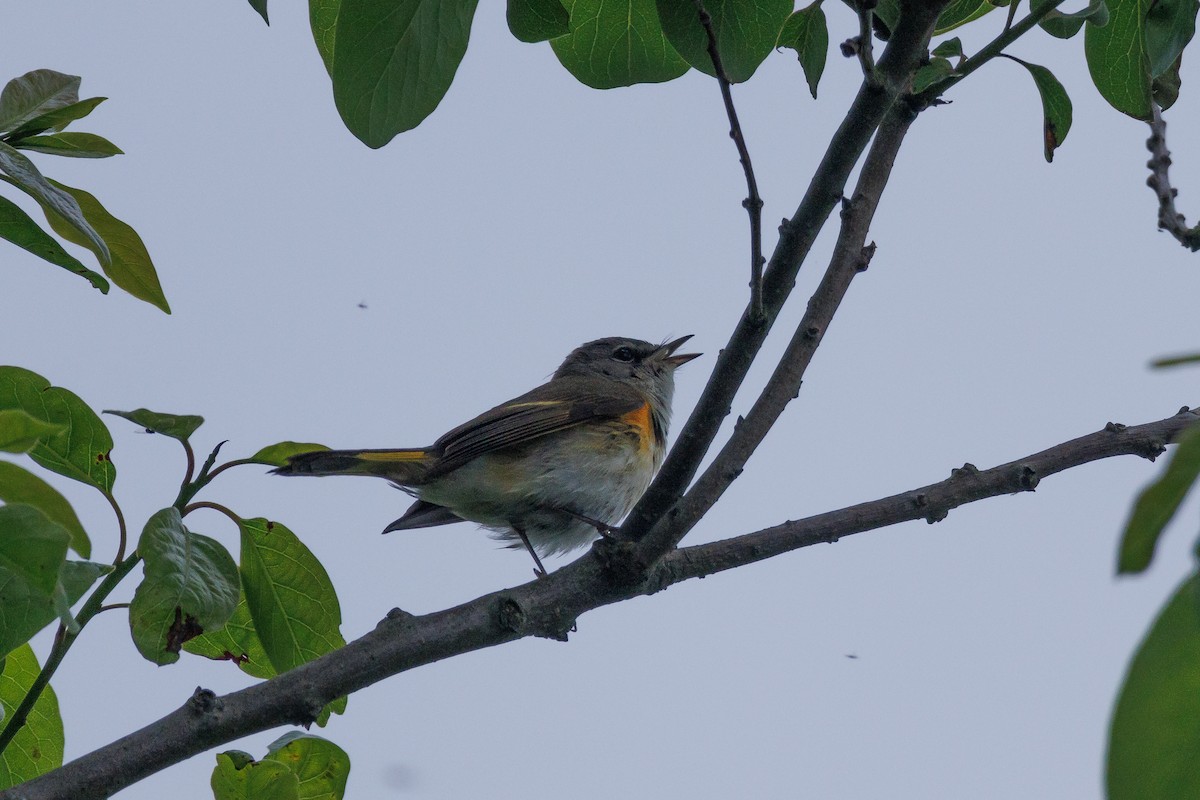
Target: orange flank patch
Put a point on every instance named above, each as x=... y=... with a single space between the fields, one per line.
x=640 y=418
x=391 y=455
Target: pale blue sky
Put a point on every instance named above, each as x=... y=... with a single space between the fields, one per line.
x=1011 y=305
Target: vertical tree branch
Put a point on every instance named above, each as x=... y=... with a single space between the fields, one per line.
x=1169 y=219
x=753 y=202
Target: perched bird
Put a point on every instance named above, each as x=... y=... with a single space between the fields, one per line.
x=549 y=469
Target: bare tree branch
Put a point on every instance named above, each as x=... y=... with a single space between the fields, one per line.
x=546 y=607
x=850 y=257
x=1169 y=219
x=898 y=61
x=753 y=202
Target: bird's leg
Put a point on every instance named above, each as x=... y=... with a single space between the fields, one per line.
x=539 y=571
x=602 y=528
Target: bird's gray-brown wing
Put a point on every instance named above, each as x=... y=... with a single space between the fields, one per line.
x=555 y=406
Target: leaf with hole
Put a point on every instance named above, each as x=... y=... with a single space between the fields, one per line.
x=190 y=586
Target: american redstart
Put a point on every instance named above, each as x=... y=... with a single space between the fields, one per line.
x=549 y=469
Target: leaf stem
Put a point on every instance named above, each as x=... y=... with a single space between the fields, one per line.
x=215 y=507
x=122 y=531
x=62 y=643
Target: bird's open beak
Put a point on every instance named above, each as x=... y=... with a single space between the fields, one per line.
x=668 y=350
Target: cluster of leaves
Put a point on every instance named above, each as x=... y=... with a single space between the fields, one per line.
x=35 y=110
x=273 y=611
x=392 y=61
x=1155 y=730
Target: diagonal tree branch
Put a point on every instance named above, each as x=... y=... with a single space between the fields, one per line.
x=546 y=607
x=893 y=70
x=1169 y=219
x=850 y=257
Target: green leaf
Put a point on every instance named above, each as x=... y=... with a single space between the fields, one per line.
x=1175 y=361
x=21 y=486
x=57 y=119
x=277 y=455
x=1155 y=732
x=292 y=601
x=322 y=18
x=951 y=48
x=615 y=44
x=237 y=778
x=81 y=450
x=960 y=12
x=190 y=586
x=1056 y=107
x=1117 y=58
x=35 y=583
x=320 y=765
x=38 y=746
x=1157 y=504
x=807 y=32
x=75 y=145
x=746 y=32
x=176 y=426
x=32 y=548
x=395 y=61
x=1170 y=25
x=21 y=173
x=1165 y=87
x=19 y=228
x=934 y=71
x=537 y=20
x=34 y=94
x=1064 y=26
x=130 y=267
x=237 y=642
x=20 y=432
x=261 y=7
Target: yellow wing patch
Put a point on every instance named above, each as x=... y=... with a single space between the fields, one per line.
x=392 y=455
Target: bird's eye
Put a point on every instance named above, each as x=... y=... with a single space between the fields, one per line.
x=623 y=354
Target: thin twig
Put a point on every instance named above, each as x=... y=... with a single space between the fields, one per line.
x=545 y=607
x=753 y=202
x=111 y=607
x=1169 y=219
x=1012 y=13
x=895 y=66
x=850 y=257
x=866 y=55
x=191 y=462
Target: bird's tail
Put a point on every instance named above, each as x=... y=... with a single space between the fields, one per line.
x=405 y=467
